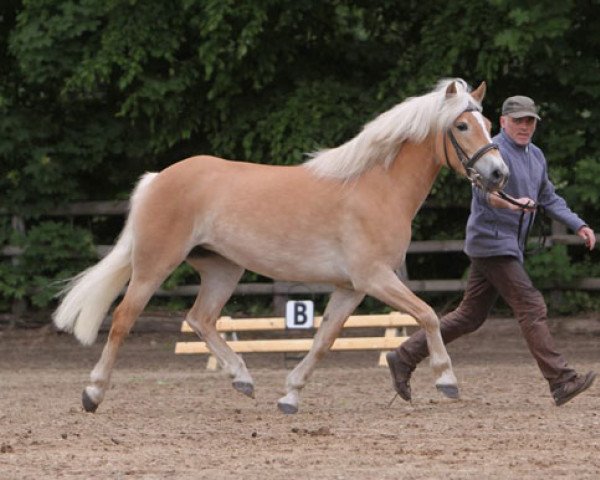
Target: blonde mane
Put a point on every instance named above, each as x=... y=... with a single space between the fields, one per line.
x=380 y=140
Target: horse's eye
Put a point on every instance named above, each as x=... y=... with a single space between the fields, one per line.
x=462 y=126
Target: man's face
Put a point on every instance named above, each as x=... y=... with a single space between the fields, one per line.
x=520 y=130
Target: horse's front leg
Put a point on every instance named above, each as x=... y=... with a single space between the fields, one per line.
x=386 y=286
x=341 y=304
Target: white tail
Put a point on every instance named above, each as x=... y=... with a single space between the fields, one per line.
x=89 y=295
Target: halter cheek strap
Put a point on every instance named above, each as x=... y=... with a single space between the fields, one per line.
x=465 y=160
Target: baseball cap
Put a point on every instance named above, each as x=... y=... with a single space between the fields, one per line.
x=520 y=106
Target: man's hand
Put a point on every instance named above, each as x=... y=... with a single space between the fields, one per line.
x=525 y=203
x=588 y=236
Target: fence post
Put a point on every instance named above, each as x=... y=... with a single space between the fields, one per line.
x=279 y=300
x=557 y=228
x=19 y=306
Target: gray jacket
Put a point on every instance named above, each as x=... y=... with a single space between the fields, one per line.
x=493 y=231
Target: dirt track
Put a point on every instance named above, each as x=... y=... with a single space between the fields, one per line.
x=167 y=417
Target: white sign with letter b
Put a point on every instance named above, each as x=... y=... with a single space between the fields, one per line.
x=299 y=314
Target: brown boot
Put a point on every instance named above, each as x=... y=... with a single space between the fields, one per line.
x=569 y=390
x=400 y=375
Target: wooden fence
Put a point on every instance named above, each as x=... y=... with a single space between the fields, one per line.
x=281 y=290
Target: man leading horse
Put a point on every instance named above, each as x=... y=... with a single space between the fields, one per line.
x=495 y=247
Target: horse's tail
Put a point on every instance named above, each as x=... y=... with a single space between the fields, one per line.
x=89 y=295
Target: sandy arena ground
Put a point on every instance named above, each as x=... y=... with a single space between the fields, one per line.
x=166 y=417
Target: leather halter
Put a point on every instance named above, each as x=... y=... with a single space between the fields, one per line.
x=467 y=162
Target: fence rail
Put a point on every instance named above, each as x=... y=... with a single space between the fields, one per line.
x=282 y=289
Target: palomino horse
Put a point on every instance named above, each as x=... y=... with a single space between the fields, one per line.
x=343 y=217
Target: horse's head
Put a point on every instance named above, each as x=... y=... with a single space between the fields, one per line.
x=468 y=147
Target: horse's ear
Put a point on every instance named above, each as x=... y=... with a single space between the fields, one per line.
x=479 y=92
x=451 y=89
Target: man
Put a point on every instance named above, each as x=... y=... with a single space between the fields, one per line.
x=496 y=253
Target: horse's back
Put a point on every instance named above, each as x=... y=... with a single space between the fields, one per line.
x=216 y=181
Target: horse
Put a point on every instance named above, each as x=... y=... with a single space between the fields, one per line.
x=342 y=217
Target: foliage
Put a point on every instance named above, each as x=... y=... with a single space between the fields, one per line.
x=585 y=190
x=183 y=274
x=52 y=252
x=95 y=92
x=572 y=302
x=554 y=267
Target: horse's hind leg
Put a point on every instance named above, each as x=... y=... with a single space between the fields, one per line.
x=219 y=278
x=146 y=278
x=341 y=304
x=386 y=286
x=137 y=296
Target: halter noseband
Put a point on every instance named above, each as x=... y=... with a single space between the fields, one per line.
x=466 y=161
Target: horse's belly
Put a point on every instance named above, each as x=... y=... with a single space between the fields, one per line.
x=295 y=256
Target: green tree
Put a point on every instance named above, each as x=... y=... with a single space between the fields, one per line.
x=95 y=92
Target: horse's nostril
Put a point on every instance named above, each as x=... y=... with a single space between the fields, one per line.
x=499 y=175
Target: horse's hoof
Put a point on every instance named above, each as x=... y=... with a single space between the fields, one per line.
x=245 y=388
x=449 y=391
x=87 y=402
x=287 y=408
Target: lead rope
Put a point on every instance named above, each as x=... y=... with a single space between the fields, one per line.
x=537 y=209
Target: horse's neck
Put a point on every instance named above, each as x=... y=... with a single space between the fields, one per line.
x=413 y=172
